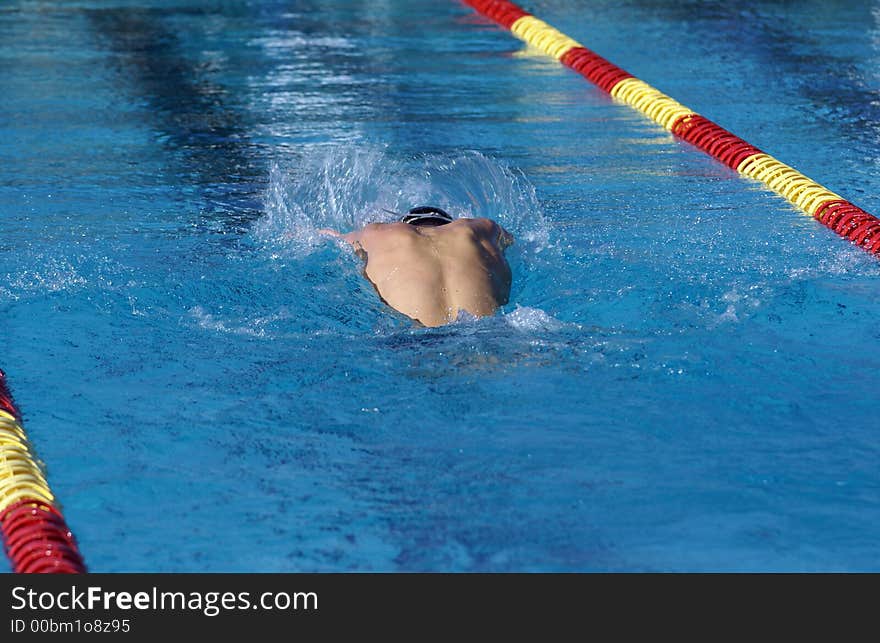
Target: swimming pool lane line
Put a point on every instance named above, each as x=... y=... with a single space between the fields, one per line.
x=832 y=210
x=35 y=535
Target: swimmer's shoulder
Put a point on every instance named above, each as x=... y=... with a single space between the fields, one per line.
x=465 y=226
x=479 y=224
x=484 y=228
x=384 y=233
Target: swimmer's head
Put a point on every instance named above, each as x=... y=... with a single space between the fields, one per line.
x=426 y=215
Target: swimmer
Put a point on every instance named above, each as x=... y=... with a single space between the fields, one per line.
x=430 y=266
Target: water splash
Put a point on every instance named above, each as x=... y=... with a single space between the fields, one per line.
x=524 y=318
x=208 y=321
x=346 y=189
x=44 y=275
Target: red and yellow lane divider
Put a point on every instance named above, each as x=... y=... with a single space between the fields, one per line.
x=834 y=211
x=34 y=533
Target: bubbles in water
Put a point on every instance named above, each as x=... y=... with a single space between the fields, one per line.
x=346 y=189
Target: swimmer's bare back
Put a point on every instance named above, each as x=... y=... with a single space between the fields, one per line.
x=430 y=274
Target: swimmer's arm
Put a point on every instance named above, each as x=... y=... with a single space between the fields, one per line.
x=358 y=238
x=505 y=239
x=352 y=237
x=494 y=231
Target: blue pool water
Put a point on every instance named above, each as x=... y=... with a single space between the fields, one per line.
x=686 y=377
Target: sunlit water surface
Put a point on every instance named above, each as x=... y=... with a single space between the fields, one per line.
x=685 y=379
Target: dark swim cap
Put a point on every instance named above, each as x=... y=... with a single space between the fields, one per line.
x=426 y=215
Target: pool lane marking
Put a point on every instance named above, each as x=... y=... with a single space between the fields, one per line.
x=35 y=535
x=832 y=210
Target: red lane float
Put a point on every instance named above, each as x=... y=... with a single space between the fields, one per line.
x=846 y=219
x=714 y=140
x=594 y=68
x=35 y=535
x=503 y=12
